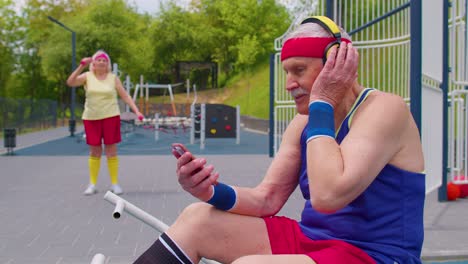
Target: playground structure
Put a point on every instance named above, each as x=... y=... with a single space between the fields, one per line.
x=201 y=120
x=221 y=121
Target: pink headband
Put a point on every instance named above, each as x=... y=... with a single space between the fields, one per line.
x=102 y=55
x=306 y=47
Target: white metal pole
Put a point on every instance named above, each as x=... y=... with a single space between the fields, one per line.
x=192 y=123
x=135 y=93
x=156 y=127
x=115 y=69
x=202 y=126
x=141 y=215
x=136 y=212
x=98 y=259
x=127 y=86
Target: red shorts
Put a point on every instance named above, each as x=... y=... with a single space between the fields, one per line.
x=286 y=237
x=107 y=130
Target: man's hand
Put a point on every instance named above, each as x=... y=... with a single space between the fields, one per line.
x=337 y=76
x=193 y=175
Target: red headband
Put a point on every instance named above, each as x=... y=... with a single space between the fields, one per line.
x=306 y=47
x=102 y=55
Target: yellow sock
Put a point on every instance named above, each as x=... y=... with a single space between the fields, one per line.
x=94 y=166
x=113 y=167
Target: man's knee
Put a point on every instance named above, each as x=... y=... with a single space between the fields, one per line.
x=196 y=214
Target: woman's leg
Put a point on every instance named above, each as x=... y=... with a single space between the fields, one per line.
x=94 y=164
x=111 y=137
x=93 y=139
x=112 y=163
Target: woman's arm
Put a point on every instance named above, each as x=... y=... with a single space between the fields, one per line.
x=77 y=78
x=126 y=98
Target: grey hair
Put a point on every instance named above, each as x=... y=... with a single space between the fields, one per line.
x=313 y=30
x=99 y=52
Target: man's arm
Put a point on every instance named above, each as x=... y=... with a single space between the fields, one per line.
x=339 y=173
x=197 y=178
x=280 y=180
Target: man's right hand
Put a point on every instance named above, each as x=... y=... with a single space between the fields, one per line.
x=194 y=176
x=338 y=75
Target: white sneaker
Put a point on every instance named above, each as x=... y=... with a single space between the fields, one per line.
x=90 y=190
x=115 y=188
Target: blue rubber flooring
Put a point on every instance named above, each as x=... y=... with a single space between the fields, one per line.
x=142 y=142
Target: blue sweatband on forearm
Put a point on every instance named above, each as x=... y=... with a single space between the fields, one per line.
x=321 y=120
x=224 y=197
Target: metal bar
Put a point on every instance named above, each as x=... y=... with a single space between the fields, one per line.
x=370 y=23
x=330 y=9
x=71 y=122
x=416 y=61
x=141 y=215
x=442 y=195
x=272 y=105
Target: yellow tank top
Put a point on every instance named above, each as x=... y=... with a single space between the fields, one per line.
x=101 y=97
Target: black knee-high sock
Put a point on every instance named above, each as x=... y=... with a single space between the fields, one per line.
x=163 y=251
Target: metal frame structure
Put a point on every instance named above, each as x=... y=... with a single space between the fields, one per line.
x=390 y=40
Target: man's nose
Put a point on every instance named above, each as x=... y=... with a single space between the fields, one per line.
x=291 y=83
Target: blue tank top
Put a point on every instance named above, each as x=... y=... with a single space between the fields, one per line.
x=386 y=220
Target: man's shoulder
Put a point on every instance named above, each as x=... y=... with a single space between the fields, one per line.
x=386 y=98
x=299 y=119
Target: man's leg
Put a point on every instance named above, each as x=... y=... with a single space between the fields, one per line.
x=164 y=250
x=203 y=231
x=275 y=259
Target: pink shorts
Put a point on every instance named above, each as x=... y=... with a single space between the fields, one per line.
x=286 y=237
x=107 y=130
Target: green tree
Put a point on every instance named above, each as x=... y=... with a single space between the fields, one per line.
x=218 y=31
x=109 y=25
x=9 y=40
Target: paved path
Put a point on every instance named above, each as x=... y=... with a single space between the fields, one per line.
x=45 y=218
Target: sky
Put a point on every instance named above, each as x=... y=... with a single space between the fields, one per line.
x=149 y=6
x=152 y=6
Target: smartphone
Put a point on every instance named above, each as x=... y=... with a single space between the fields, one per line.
x=179 y=150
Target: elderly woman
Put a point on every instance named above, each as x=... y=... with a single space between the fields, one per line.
x=101 y=116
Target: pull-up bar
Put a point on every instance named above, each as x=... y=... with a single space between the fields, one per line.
x=144 y=87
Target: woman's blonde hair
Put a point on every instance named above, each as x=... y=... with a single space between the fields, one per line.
x=98 y=53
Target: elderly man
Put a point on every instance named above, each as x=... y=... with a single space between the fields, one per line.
x=355 y=153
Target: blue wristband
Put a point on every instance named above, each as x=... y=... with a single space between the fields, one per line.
x=224 y=197
x=321 y=120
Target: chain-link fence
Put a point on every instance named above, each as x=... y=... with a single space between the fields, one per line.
x=28 y=114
